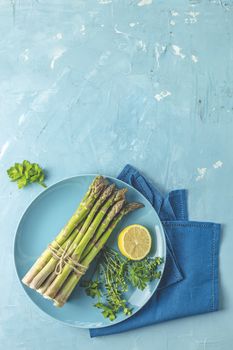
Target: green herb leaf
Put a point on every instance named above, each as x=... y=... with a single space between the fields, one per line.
x=114 y=276
x=140 y=273
x=127 y=311
x=26 y=173
x=107 y=312
x=92 y=288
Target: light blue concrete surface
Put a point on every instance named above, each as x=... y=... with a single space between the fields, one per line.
x=87 y=86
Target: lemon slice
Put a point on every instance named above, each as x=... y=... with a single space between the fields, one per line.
x=134 y=242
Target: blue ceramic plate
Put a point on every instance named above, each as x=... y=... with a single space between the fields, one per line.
x=44 y=218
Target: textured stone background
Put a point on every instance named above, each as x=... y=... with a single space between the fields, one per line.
x=87 y=86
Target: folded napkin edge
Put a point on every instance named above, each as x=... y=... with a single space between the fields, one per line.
x=193 y=223
x=215 y=267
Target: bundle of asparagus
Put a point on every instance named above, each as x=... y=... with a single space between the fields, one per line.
x=59 y=269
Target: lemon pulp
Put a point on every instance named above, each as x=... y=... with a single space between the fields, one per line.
x=134 y=242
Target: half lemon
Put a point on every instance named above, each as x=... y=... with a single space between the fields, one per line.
x=134 y=242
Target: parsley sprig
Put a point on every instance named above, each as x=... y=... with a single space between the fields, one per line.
x=114 y=276
x=92 y=288
x=140 y=273
x=107 y=311
x=26 y=173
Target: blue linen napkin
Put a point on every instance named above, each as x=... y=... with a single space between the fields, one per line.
x=189 y=285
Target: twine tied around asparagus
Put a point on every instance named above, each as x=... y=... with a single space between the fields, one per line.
x=65 y=258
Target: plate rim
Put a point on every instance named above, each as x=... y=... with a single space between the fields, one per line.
x=14 y=251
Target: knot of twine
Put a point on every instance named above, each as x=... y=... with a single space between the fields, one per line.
x=63 y=257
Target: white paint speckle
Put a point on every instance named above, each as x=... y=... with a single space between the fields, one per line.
x=177 y=51
x=134 y=141
x=218 y=164
x=162 y=95
x=144 y=2
x=157 y=54
x=59 y=36
x=104 y=2
x=192 y=17
x=25 y=55
x=194 y=58
x=125 y=35
x=201 y=173
x=41 y=99
x=133 y=24
x=83 y=29
x=193 y=14
x=102 y=25
x=159 y=50
x=141 y=119
x=91 y=74
x=59 y=51
x=4 y=148
x=174 y=13
x=104 y=58
x=141 y=45
x=22 y=119
x=172 y=23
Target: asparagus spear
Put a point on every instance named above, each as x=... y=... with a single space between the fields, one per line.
x=88 y=201
x=73 y=279
x=47 y=283
x=119 y=198
x=50 y=266
x=105 y=195
x=128 y=208
x=93 y=241
x=60 y=279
